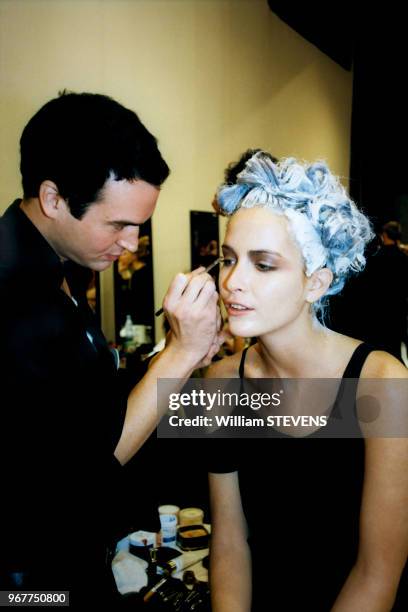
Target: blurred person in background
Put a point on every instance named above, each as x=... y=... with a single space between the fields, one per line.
x=374 y=305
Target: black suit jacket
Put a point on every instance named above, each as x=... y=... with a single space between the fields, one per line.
x=61 y=415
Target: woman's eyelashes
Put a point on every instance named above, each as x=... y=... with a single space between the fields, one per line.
x=227 y=261
x=261 y=266
x=264 y=267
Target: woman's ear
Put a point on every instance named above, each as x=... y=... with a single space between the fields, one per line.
x=318 y=284
x=50 y=200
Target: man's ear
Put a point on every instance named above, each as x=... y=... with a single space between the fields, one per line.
x=318 y=284
x=51 y=202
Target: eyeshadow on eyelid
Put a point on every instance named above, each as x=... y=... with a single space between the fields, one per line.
x=265 y=260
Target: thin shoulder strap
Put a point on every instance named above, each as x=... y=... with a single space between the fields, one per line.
x=346 y=395
x=353 y=368
x=242 y=363
x=357 y=360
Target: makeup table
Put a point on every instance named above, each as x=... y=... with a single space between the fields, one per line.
x=130 y=570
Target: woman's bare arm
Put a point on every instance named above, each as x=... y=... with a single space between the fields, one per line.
x=383 y=547
x=230 y=562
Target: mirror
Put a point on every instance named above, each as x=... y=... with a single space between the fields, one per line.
x=204 y=239
x=134 y=295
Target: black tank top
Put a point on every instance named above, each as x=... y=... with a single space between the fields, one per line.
x=343 y=421
x=301 y=498
x=353 y=368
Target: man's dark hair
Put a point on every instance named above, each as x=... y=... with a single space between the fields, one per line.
x=78 y=141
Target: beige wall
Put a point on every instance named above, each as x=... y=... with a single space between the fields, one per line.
x=210 y=78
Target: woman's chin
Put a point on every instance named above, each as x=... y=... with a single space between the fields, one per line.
x=241 y=328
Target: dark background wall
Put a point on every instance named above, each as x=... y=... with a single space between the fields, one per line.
x=374 y=44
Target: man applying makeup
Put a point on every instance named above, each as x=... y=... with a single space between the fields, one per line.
x=91 y=175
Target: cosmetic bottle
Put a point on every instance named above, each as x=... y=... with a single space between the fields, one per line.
x=179 y=563
x=151 y=570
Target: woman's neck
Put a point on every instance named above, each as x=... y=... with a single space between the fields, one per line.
x=298 y=352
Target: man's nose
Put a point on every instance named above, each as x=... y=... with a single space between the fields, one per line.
x=129 y=239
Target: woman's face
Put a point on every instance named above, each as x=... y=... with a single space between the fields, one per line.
x=262 y=280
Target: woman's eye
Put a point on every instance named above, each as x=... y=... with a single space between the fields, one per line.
x=264 y=267
x=227 y=261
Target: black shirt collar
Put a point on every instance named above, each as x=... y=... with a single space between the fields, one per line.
x=26 y=257
x=24 y=252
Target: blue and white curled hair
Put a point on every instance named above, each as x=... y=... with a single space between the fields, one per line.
x=325 y=223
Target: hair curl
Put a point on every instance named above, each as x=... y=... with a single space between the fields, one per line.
x=326 y=224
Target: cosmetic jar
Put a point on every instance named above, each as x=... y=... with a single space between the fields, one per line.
x=192 y=537
x=191 y=516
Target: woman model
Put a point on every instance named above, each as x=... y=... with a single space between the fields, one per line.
x=302 y=523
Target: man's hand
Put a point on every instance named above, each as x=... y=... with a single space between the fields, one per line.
x=191 y=308
x=220 y=337
x=192 y=312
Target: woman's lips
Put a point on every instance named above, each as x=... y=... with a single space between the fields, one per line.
x=237 y=310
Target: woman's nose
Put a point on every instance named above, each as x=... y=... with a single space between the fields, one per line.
x=234 y=278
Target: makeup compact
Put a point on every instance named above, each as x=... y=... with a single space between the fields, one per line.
x=192 y=537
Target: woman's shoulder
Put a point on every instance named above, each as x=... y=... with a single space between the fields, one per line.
x=380 y=364
x=228 y=367
x=382 y=398
x=377 y=364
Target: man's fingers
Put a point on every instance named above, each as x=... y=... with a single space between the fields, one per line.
x=175 y=291
x=208 y=297
x=187 y=285
x=219 y=318
x=197 y=285
x=195 y=272
x=191 y=306
x=216 y=344
x=222 y=337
